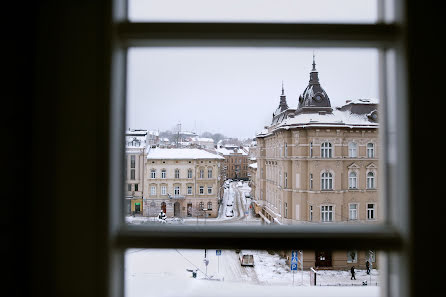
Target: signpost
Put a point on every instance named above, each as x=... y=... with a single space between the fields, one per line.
x=218 y=253
x=294 y=261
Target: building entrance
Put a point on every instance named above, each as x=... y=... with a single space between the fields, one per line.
x=137 y=207
x=176 y=209
x=323 y=259
x=189 y=209
x=163 y=207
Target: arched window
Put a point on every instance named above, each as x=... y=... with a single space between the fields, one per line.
x=210 y=173
x=201 y=205
x=326 y=150
x=370 y=150
x=189 y=173
x=352 y=150
x=201 y=173
x=209 y=205
x=152 y=173
x=352 y=180
x=370 y=180
x=327 y=181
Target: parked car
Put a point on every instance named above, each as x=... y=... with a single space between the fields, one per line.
x=229 y=203
x=247 y=195
x=246 y=259
x=229 y=213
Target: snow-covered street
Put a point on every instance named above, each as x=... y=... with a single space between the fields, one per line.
x=159 y=272
x=233 y=199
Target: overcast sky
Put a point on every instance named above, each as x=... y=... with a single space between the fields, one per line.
x=234 y=91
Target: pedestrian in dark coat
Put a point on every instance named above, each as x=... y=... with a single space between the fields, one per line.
x=367 y=265
x=352 y=270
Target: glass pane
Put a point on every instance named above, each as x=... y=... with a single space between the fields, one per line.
x=200 y=110
x=211 y=272
x=322 y=11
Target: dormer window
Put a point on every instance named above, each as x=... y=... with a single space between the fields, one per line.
x=318 y=97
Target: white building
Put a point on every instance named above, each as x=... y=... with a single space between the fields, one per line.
x=183 y=182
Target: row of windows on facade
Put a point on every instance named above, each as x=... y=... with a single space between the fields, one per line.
x=327 y=150
x=200 y=205
x=237 y=167
x=327 y=180
x=327 y=212
x=177 y=161
x=177 y=173
x=239 y=161
x=352 y=256
x=177 y=190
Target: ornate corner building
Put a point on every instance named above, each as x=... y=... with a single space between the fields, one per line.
x=319 y=164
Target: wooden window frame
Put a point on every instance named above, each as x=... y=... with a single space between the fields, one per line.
x=390 y=236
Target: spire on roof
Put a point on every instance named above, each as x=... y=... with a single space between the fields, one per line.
x=283 y=105
x=314 y=63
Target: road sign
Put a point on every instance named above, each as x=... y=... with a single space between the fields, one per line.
x=294 y=260
x=294 y=254
x=218 y=252
x=293 y=266
x=246 y=213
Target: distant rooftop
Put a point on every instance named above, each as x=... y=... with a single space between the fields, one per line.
x=180 y=154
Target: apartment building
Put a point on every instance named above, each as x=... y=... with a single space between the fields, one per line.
x=182 y=182
x=318 y=164
x=135 y=146
x=236 y=161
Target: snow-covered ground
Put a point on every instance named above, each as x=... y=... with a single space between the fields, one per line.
x=158 y=272
x=233 y=195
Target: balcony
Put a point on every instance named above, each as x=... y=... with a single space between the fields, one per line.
x=176 y=196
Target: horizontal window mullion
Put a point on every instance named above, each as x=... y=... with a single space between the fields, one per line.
x=286 y=237
x=245 y=34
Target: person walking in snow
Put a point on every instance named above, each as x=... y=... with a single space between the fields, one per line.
x=352 y=270
x=367 y=265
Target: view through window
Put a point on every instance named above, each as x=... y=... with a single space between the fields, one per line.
x=252 y=136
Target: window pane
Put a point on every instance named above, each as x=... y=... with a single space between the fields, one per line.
x=326 y=11
x=232 y=94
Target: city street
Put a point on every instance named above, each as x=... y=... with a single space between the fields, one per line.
x=167 y=272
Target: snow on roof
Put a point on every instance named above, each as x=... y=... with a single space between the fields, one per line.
x=362 y=101
x=182 y=153
x=337 y=118
x=136 y=132
x=135 y=141
x=153 y=132
x=229 y=151
x=202 y=139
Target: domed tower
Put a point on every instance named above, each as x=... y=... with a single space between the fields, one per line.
x=314 y=99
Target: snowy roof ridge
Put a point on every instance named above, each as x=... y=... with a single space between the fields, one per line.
x=181 y=153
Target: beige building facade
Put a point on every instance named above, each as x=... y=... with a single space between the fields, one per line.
x=182 y=183
x=236 y=162
x=317 y=164
x=135 y=146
